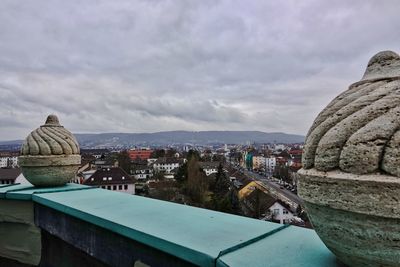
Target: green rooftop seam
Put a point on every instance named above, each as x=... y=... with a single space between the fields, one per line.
x=251 y=241
x=8 y=194
x=7 y=185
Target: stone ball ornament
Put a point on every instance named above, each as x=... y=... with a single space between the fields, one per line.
x=350 y=180
x=50 y=155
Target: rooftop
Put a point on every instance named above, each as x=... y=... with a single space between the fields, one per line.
x=191 y=235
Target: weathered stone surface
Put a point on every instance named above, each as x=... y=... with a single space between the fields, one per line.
x=50 y=139
x=20 y=238
x=338 y=126
x=341 y=109
x=372 y=194
x=351 y=168
x=391 y=157
x=358 y=240
x=50 y=155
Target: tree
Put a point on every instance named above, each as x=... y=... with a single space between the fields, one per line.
x=193 y=154
x=182 y=173
x=159 y=176
x=221 y=200
x=197 y=184
x=124 y=161
x=170 y=153
x=158 y=153
x=221 y=185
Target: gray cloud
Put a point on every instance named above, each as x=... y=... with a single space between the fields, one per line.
x=138 y=66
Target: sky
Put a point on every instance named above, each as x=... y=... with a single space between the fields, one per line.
x=149 y=66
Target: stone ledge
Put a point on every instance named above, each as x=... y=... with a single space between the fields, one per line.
x=337 y=190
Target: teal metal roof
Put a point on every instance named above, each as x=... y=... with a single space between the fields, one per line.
x=292 y=246
x=25 y=192
x=200 y=236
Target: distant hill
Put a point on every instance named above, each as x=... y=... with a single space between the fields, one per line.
x=180 y=137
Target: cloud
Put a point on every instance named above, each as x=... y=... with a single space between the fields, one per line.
x=145 y=66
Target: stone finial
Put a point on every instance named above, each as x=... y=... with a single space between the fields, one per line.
x=52 y=120
x=358 y=132
x=50 y=155
x=351 y=168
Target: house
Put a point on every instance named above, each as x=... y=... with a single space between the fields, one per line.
x=114 y=178
x=142 y=173
x=9 y=175
x=209 y=167
x=166 y=164
x=281 y=212
x=256 y=201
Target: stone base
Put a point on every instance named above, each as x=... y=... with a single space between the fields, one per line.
x=357 y=239
x=50 y=176
x=357 y=217
x=52 y=170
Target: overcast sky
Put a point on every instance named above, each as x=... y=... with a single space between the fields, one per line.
x=147 y=66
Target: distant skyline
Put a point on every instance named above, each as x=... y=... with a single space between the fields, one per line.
x=150 y=66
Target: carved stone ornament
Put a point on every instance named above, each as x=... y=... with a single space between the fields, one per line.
x=350 y=181
x=50 y=155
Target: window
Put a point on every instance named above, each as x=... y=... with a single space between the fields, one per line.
x=108 y=187
x=120 y=187
x=91 y=179
x=285 y=211
x=103 y=186
x=114 y=187
x=109 y=178
x=123 y=177
x=276 y=211
x=104 y=178
x=126 y=187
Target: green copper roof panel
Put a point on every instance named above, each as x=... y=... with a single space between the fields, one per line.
x=193 y=234
x=293 y=246
x=25 y=192
x=199 y=236
x=11 y=187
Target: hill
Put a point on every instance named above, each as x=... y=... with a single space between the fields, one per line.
x=179 y=137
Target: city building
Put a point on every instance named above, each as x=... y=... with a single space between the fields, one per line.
x=280 y=212
x=140 y=153
x=115 y=179
x=142 y=173
x=209 y=167
x=166 y=164
x=9 y=161
x=9 y=175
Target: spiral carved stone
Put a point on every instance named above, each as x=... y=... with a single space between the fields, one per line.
x=351 y=168
x=358 y=131
x=50 y=139
x=50 y=154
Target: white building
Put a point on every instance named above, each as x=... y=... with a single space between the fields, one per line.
x=9 y=161
x=166 y=165
x=209 y=167
x=281 y=212
x=270 y=164
x=142 y=174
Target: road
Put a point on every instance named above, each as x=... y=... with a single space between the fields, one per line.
x=275 y=186
x=272 y=184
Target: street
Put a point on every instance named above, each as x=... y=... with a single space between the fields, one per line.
x=272 y=184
